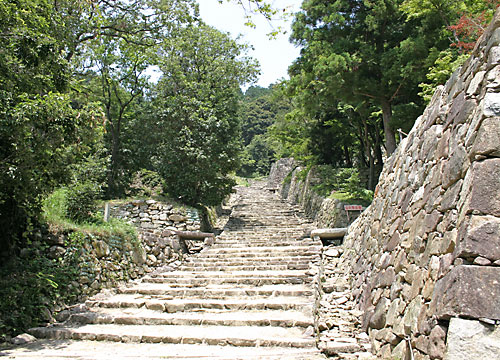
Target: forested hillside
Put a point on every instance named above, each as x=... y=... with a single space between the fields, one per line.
x=365 y=73
x=260 y=109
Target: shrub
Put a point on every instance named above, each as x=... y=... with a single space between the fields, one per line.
x=32 y=285
x=54 y=206
x=81 y=201
x=146 y=183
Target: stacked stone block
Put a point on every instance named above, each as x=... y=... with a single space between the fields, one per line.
x=157 y=223
x=428 y=248
x=253 y=294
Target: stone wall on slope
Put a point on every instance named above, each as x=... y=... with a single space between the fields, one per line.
x=279 y=171
x=287 y=178
x=107 y=260
x=157 y=223
x=428 y=248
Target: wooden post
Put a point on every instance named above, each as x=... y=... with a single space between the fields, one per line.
x=106 y=212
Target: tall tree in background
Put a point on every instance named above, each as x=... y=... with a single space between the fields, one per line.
x=197 y=102
x=116 y=57
x=462 y=23
x=357 y=51
x=260 y=109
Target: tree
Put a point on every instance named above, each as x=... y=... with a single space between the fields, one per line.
x=358 y=51
x=197 y=102
x=260 y=109
x=117 y=80
x=463 y=22
x=116 y=56
x=42 y=130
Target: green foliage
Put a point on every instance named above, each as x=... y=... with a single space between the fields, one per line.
x=263 y=8
x=242 y=181
x=370 y=56
x=260 y=109
x=146 y=183
x=197 y=102
x=463 y=20
x=341 y=183
x=447 y=61
x=289 y=136
x=55 y=213
x=54 y=206
x=257 y=157
x=81 y=201
x=42 y=130
x=32 y=285
x=40 y=137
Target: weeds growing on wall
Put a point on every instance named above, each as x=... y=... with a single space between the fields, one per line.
x=38 y=281
x=32 y=285
x=56 y=214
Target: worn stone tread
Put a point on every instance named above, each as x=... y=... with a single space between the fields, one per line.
x=182 y=334
x=219 y=290
x=94 y=350
x=216 y=274
x=174 y=305
x=141 y=316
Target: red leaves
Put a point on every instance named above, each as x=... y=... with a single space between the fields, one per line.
x=471 y=26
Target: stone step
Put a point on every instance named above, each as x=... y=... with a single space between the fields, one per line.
x=268 y=250
x=264 y=228
x=303 y=304
x=225 y=252
x=179 y=334
x=274 y=239
x=251 y=292
x=236 y=260
x=254 y=267
x=103 y=350
x=230 y=280
x=268 y=230
x=218 y=292
x=255 y=245
x=258 y=242
x=152 y=317
x=235 y=274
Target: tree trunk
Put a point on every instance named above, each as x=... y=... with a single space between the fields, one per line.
x=347 y=156
x=368 y=151
x=378 y=147
x=115 y=153
x=390 y=137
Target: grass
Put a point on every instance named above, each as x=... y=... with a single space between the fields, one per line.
x=241 y=181
x=33 y=285
x=349 y=198
x=54 y=213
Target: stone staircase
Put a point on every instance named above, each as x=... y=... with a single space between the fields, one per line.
x=252 y=295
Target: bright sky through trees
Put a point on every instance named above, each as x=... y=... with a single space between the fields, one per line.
x=274 y=55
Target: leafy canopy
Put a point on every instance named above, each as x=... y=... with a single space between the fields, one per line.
x=197 y=103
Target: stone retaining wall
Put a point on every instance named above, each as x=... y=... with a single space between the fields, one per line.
x=156 y=224
x=326 y=212
x=428 y=248
x=105 y=261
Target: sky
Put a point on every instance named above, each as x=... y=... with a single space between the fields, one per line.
x=274 y=55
